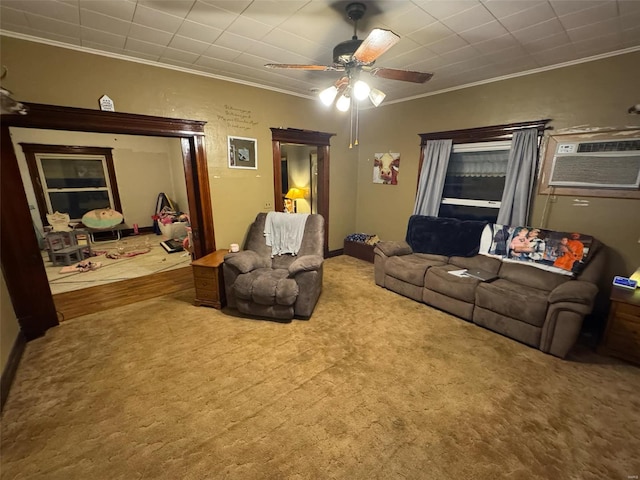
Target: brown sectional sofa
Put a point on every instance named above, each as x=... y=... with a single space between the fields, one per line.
x=540 y=308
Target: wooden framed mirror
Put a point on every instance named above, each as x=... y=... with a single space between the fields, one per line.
x=316 y=146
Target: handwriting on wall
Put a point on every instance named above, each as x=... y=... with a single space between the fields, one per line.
x=237 y=118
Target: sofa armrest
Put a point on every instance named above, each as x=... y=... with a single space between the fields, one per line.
x=246 y=261
x=574 y=291
x=305 y=263
x=394 y=248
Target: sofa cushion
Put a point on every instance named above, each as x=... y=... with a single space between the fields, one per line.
x=439 y=280
x=512 y=328
x=513 y=300
x=448 y=304
x=410 y=268
x=444 y=236
x=481 y=262
x=390 y=248
x=266 y=286
x=531 y=277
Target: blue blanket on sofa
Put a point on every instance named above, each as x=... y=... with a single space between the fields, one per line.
x=444 y=236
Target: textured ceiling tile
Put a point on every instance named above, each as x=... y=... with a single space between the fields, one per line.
x=484 y=32
x=440 y=9
x=13 y=17
x=46 y=8
x=149 y=35
x=57 y=27
x=200 y=32
x=468 y=19
x=539 y=13
x=210 y=15
x=99 y=21
x=104 y=38
x=143 y=47
x=156 y=19
x=177 y=8
x=188 y=44
x=122 y=9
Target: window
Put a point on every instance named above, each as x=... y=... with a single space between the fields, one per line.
x=477 y=168
x=475 y=180
x=73 y=180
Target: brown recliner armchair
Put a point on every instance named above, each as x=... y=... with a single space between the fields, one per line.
x=281 y=287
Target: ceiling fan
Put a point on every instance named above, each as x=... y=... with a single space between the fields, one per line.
x=355 y=56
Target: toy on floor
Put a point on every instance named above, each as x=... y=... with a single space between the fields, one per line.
x=83 y=266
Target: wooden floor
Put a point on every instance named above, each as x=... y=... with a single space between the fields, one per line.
x=76 y=303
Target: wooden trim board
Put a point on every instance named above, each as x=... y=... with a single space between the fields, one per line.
x=103 y=297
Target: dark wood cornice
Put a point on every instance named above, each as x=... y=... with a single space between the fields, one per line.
x=484 y=134
x=306 y=137
x=86 y=120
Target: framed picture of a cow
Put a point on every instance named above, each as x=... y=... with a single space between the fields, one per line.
x=385 y=168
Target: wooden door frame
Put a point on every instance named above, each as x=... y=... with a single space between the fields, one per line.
x=22 y=264
x=321 y=141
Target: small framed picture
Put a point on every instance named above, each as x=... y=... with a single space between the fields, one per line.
x=243 y=152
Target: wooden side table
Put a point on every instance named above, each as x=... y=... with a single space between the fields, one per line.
x=622 y=335
x=208 y=280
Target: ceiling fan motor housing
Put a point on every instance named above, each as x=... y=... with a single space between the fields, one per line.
x=343 y=51
x=355 y=10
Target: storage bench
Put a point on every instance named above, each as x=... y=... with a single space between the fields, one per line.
x=359 y=250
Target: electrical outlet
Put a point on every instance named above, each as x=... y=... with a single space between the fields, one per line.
x=268 y=205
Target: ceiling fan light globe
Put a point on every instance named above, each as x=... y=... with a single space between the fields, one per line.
x=328 y=95
x=343 y=103
x=376 y=96
x=361 y=90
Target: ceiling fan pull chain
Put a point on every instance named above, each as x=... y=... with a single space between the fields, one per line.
x=351 y=127
x=357 y=120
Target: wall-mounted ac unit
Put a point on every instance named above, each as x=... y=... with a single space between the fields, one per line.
x=597 y=164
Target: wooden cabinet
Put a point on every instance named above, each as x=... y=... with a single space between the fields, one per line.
x=208 y=280
x=622 y=335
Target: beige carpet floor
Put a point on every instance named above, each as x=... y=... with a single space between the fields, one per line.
x=374 y=386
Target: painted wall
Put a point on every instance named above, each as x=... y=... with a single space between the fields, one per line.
x=144 y=166
x=594 y=94
x=78 y=79
x=8 y=324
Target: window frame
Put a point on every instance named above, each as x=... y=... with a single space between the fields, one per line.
x=34 y=151
x=475 y=138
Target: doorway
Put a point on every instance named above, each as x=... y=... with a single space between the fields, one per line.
x=22 y=263
x=310 y=173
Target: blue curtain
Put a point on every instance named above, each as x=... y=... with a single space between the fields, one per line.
x=434 y=171
x=521 y=172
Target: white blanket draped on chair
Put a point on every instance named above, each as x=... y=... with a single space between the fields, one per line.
x=283 y=232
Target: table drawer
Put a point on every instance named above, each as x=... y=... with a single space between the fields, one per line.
x=200 y=272
x=206 y=283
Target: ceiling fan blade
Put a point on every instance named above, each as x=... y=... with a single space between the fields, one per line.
x=323 y=68
x=376 y=43
x=404 y=75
